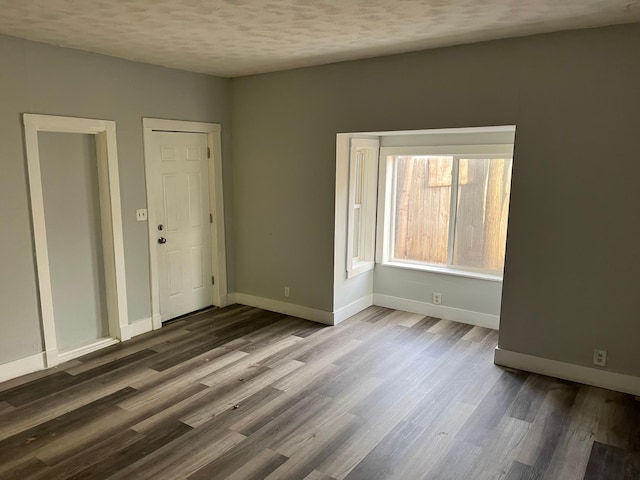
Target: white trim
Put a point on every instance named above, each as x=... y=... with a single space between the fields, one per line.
x=315 y=315
x=22 y=366
x=444 y=270
x=439 y=311
x=39 y=361
x=216 y=207
x=69 y=354
x=350 y=310
x=357 y=142
x=359 y=267
x=333 y=318
x=51 y=356
x=385 y=206
x=165 y=125
x=53 y=123
x=450 y=150
x=140 y=326
x=110 y=213
x=453 y=207
x=568 y=371
x=226 y=300
x=367 y=176
x=437 y=131
x=156 y=321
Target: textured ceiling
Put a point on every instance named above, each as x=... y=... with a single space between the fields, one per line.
x=238 y=37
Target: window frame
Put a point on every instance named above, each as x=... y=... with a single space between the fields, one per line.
x=365 y=259
x=387 y=198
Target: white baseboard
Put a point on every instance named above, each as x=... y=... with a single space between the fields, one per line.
x=138 y=327
x=438 y=311
x=66 y=355
x=52 y=358
x=568 y=371
x=333 y=318
x=22 y=366
x=350 y=310
x=315 y=315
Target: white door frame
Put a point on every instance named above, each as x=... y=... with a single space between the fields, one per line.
x=111 y=222
x=216 y=207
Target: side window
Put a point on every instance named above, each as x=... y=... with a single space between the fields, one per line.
x=363 y=181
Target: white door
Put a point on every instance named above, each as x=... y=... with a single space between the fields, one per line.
x=181 y=202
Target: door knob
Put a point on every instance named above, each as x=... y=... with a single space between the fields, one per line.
x=162 y=240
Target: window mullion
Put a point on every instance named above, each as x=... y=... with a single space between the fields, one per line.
x=455 y=168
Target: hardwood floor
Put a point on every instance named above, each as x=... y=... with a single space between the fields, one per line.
x=240 y=393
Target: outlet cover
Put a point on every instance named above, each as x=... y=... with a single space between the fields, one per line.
x=600 y=358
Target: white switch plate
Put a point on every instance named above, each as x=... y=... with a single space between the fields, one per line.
x=141 y=214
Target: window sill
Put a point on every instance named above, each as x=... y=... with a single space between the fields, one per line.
x=359 y=268
x=444 y=270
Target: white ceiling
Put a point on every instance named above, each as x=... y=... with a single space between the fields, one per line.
x=239 y=37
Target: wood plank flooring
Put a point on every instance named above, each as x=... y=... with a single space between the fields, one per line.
x=240 y=393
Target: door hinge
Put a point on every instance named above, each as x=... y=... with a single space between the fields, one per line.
x=208 y=152
x=213 y=280
x=211 y=218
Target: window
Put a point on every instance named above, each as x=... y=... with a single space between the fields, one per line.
x=446 y=207
x=363 y=172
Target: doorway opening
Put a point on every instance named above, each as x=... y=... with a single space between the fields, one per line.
x=75 y=204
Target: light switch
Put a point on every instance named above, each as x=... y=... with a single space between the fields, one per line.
x=141 y=214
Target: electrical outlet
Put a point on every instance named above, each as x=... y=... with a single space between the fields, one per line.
x=437 y=298
x=287 y=292
x=141 y=214
x=600 y=358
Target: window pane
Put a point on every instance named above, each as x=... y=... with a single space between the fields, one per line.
x=356 y=232
x=358 y=178
x=481 y=216
x=422 y=207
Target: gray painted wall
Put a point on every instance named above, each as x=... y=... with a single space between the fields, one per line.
x=472 y=294
x=69 y=171
x=37 y=78
x=570 y=277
